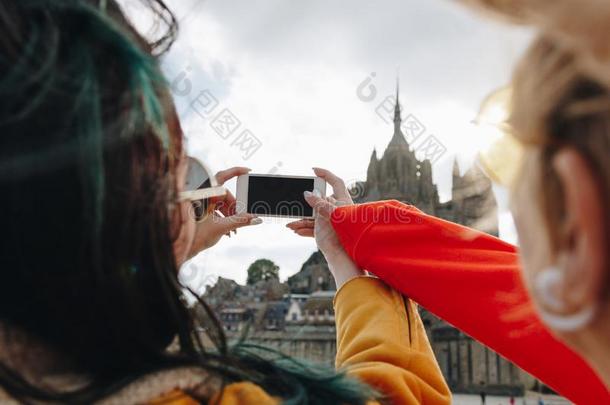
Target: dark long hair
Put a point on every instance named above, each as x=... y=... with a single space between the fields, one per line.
x=89 y=145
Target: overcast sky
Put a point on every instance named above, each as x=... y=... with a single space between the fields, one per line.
x=290 y=73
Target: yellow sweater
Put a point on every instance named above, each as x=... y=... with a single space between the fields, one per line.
x=380 y=340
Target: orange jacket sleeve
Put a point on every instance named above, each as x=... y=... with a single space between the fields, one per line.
x=471 y=280
x=381 y=341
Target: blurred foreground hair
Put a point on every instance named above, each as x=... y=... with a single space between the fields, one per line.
x=561 y=95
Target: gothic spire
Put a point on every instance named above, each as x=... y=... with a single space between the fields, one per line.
x=456 y=168
x=397 y=118
x=398 y=138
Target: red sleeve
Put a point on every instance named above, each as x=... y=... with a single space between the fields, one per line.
x=471 y=280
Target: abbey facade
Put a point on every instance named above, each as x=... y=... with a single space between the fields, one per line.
x=399 y=174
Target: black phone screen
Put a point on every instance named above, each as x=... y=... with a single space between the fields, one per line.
x=279 y=196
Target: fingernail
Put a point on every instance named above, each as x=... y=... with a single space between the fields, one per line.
x=256 y=221
x=307 y=193
x=317 y=193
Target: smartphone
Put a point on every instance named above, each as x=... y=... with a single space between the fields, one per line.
x=277 y=196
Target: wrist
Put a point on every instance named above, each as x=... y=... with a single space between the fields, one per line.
x=343 y=268
x=335 y=253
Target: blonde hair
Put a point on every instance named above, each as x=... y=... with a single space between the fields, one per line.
x=561 y=91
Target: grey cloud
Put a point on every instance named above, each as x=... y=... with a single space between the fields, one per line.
x=442 y=49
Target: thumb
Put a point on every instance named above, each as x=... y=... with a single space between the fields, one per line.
x=227 y=224
x=320 y=205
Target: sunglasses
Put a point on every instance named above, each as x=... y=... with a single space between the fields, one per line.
x=502 y=158
x=201 y=186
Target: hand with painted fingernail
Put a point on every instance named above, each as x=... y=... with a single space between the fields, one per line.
x=224 y=220
x=340 y=264
x=213 y=227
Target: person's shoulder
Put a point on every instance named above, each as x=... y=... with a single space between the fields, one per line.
x=174 y=387
x=244 y=393
x=233 y=394
x=174 y=397
x=167 y=387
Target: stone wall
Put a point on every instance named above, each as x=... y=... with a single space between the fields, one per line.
x=315 y=344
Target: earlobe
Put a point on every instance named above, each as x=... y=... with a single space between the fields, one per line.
x=553 y=310
x=183 y=242
x=583 y=229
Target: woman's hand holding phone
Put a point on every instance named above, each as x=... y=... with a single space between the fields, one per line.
x=341 y=265
x=223 y=220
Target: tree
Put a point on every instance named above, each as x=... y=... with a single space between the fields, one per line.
x=262 y=269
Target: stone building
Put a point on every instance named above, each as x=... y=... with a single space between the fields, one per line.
x=273 y=317
x=398 y=174
x=235 y=319
x=226 y=291
x=318 y=309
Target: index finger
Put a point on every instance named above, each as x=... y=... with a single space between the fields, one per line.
x=225 y=175
x=336 y=182
x=320 y=205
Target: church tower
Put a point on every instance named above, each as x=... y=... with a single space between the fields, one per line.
x=398 y=138
x=400 y=175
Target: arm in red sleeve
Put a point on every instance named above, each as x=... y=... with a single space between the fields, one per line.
x=468 y=278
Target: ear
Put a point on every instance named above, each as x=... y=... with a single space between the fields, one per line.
x=185 y=224
x=583 y=230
